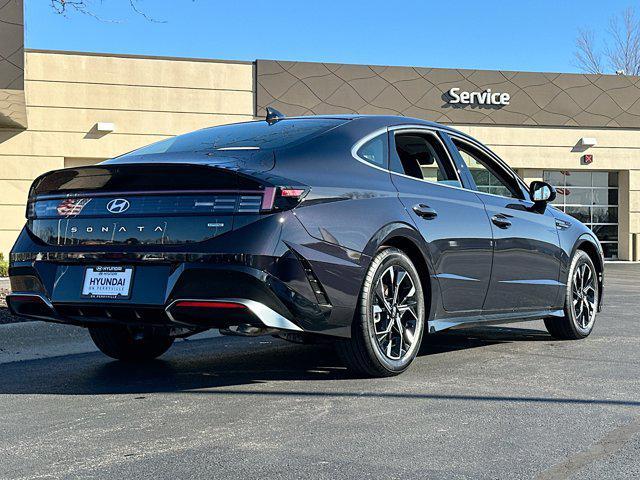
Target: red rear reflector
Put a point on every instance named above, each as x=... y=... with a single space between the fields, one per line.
x=201 y=304
x=291 y=192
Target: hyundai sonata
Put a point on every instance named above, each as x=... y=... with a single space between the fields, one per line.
x=367 y=231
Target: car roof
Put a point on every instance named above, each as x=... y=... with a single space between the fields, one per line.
x=378 y=121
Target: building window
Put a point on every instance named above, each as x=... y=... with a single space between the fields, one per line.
x=592 y=198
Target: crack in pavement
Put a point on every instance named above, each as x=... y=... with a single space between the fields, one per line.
x=606 y=447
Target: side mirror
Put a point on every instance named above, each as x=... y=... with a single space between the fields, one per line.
x=542 y=192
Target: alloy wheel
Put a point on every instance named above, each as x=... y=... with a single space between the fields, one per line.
x=584 y=296
x=395 y=313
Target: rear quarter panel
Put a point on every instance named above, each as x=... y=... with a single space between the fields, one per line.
x=349 y=201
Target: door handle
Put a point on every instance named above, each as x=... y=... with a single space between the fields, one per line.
x=501 y=220
x=425 y=211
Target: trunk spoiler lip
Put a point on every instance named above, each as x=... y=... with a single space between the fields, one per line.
x=105 y=193
x=260 y=175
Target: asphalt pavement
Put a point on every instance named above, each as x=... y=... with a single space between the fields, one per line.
x=502 y=402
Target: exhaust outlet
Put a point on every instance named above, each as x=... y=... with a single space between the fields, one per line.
x=246 y=330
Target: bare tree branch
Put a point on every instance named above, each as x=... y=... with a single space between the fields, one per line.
x=587 y=57
x=134 y=5
x=624 y=52
x=63 y=7
x=621 y=47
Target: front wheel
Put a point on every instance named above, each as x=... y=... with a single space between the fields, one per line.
x=389 y=323
x=581 y=301
x=123 y=343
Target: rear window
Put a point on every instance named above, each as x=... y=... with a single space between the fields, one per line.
x=258 y=135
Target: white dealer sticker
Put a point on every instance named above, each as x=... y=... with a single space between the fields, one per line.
x=107 y=282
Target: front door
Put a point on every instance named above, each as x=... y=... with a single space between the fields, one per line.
x=451 y=219
x=527 y=253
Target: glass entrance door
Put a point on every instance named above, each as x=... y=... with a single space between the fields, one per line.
x=592 y=198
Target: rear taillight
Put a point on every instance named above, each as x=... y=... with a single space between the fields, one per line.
x=291 y=192
x=281 y=198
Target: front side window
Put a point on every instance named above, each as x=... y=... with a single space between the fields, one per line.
x=422 y=156
x=487 y=174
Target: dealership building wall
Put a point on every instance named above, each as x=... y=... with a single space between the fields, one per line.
x=67 y=94
x=146 y=99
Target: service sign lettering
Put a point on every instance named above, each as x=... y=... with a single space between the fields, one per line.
x=488 y=97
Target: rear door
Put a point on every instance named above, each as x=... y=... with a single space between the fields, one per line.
x=451 y=219
x=527 y=253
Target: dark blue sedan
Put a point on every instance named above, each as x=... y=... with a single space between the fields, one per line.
x=366 y=231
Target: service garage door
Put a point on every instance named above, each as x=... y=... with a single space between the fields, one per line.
x=591 y=197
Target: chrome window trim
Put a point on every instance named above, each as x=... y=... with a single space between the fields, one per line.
x=362 y=141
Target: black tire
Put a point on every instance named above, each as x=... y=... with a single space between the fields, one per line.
x=121 y=343
x=363 y=353
x=574 y=326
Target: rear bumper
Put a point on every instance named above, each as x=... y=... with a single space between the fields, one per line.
x=285 y=279
x=157 y=293
x=37 y=306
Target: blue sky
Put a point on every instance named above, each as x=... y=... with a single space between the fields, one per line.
x=510 y=35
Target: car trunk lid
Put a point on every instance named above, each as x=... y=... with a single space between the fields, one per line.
x=142 y=203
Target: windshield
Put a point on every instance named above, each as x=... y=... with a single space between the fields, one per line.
x=250 y=135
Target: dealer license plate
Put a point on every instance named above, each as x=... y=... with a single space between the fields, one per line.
x=107 y=282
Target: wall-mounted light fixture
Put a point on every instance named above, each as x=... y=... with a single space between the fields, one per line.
x=587 y=142
x=105 y=127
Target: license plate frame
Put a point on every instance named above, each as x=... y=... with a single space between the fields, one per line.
x=117 y=284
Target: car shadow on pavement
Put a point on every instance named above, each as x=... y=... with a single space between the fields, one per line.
x=452 y=340
x=228 y=365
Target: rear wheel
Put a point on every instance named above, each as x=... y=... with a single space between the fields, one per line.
x=389 y=323
x=123 y=343
x=581 y=301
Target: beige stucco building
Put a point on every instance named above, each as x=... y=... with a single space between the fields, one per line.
x=49 y=114
x=146 y=99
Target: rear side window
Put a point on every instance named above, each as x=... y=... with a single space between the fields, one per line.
x=422 y=156
x=375 y=151
x=249 y=135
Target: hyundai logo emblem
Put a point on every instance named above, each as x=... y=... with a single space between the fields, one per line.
x=118 y=205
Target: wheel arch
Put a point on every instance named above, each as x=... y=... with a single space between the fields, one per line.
x=407 y=239
x=591 y=248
